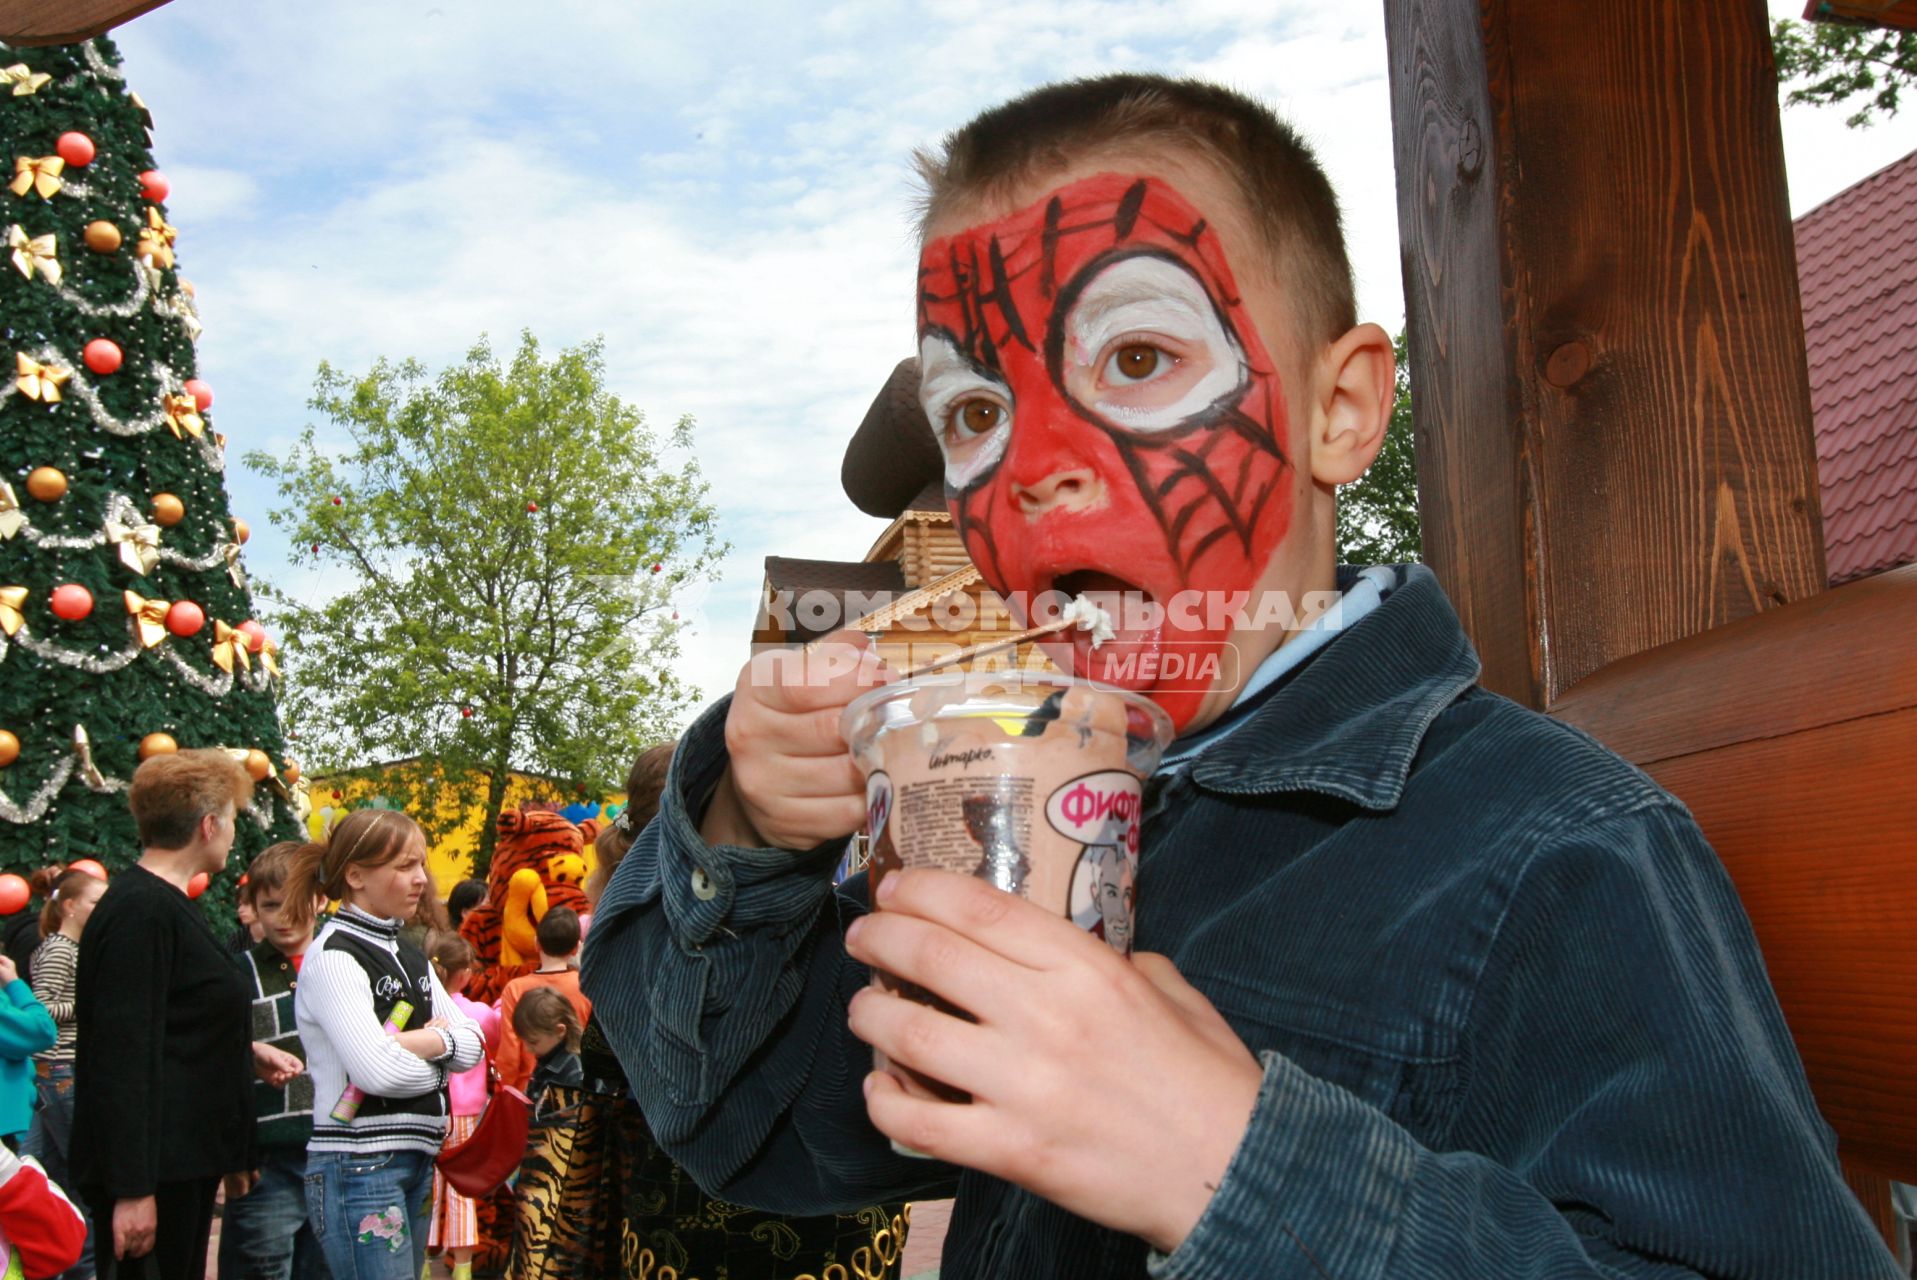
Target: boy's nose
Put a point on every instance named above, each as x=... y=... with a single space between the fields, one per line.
x=1071 y=490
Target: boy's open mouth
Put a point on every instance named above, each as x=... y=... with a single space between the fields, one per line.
x=1136 y=629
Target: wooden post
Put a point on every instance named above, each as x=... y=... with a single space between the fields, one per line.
x=1613 y=421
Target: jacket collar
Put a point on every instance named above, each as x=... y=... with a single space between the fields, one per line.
x=1349 y=723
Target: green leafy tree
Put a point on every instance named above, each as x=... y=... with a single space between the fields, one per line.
x=511 y=535
x=1833 y=62
x=1378 y=512
x=112 y=481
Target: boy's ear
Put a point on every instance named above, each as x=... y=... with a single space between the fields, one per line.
x=1352 y=396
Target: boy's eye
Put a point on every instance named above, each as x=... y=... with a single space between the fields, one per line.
x=976 y=417
x=1135 y=363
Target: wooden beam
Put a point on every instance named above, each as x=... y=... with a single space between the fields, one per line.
x=1791 y=735
x=31 y=22
x=1613 y=420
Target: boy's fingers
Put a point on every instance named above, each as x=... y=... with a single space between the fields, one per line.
x=931 y=956
x=1000 y=922
x=961 y=1132
x=933 y=1043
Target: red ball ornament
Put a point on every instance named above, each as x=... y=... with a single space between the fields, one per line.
x=532 y=506
x=71 y=601
x=337 y=500
x=316 y=548
x=657 y=567
x=185 y=618
x=202 y=394
x=89 y=866
x=467 y=712
x=255 y=635
x=14 y=894
x=75 y=148
x=197 y=885
x=153 y=186
x=102 y=355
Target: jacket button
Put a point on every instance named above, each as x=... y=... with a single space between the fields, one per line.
x=702 y=886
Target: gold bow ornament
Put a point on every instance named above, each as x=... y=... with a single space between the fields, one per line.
x=11 y=517
x=149 y=618
x=37 y=173
x=41 y=382
x=24 y=79
x=35 y=253
x=139 y=544
x=229 y=647
x=156 y=239
x=267 y=659
x=89 y=772
x=230 y=552
x=12 y=601
x=183 y=415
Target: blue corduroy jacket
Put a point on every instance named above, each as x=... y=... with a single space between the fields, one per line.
x=1513 y=1019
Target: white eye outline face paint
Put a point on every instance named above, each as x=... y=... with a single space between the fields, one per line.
x=946 y=381
x=1150 y=301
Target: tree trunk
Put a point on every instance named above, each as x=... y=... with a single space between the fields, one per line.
x=489 y=831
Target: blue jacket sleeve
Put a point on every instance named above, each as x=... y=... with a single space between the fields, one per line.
x=25 y=1025
x=719 y=977
x=1633 y=1107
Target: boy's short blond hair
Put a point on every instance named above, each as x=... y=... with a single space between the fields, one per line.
x=1286 y=195
x=171 y=793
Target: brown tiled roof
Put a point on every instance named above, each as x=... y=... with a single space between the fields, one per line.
x=872 y=582
x=893 y=455
x=1857 y=269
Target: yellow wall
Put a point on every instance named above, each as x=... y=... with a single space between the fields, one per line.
x=451 y=858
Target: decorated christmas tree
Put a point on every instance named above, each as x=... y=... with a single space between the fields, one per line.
x=125 y=622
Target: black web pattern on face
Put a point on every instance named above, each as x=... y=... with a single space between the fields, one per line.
x=1176 y=473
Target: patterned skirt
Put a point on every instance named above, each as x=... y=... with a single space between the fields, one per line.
x=597 y=1198
x=455 y=1223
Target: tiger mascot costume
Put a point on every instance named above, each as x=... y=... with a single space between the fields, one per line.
x=538 y=864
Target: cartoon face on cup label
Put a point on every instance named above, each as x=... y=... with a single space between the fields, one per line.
x=878 y=803
x=1098 y=808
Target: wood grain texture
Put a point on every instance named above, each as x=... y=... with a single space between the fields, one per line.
x=32 y=22
x=1791 y=736
x=1614 y=422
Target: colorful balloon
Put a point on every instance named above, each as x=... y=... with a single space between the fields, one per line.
x=14 y=894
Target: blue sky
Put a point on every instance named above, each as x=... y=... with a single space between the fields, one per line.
x=722 y=190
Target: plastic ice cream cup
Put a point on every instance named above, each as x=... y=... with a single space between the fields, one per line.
x=1032 y=781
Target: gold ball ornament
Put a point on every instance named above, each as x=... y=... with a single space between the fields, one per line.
x=9 y=748
x=157 y=744
x=241 y=531
x=259 y=765
x=168 y=509
x=290 y=771
x=49 y=484
x=102 y=237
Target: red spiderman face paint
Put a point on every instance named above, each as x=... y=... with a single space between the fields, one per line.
x=1111 y=421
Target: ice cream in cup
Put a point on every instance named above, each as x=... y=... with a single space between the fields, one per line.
x=1032 y=781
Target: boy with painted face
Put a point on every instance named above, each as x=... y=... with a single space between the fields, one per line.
x=1427 y=984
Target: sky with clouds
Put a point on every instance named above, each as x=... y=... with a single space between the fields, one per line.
x=722 y=190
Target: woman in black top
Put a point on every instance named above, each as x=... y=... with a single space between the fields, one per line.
x=163 y=1106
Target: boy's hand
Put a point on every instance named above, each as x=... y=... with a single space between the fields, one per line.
x=792 y=783
x=9 y=971
x=134 y=1223
x=240 y=1185
x=1110 y=1087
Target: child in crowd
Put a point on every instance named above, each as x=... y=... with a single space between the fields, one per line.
x=264 y=1234
x=249 y=932
x=41 y=1232
x=558 y=934
x=455 y=1221
x=26 y=1028
x=55 y=974
x=369 y=1163
x=466 y=895
x=1427 y=985
x=549 y=1028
